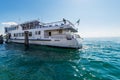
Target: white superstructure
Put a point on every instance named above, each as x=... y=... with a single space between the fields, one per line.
x=58 y=34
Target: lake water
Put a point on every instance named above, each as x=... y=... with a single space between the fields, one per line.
x=98 y=60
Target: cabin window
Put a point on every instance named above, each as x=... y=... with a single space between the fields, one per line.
x=9 y=36
x=30 y=33
x=22 y=28
x=14 y=34
x=62 y=24
x=56 y=25
x=19 y=34
x=37 y=26
x=39 y=32
x=77 y=36
x=50 y=25
x=60 y=31
x=17 y=27
x=36 y=32
x=49 y=33
x=5 y=30
x=22 y=34
x=40 y=26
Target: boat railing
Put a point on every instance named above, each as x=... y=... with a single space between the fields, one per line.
x=37 y=24
x=60 y=23
x=71 y=24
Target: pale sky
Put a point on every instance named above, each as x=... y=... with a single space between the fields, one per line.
x=98 y=18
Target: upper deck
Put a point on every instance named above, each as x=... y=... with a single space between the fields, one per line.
x=64 y=24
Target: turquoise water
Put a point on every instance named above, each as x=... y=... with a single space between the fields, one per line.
x=98 y=60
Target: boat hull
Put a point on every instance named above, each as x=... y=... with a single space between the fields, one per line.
x=74 y=43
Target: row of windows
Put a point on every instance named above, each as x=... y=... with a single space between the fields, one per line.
x=28 y=27
x=37 y=32
x=11 y=28
x=22 y=34
x=18 y=34
x=38 y=26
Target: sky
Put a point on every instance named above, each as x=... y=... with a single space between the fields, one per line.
x=98 y=18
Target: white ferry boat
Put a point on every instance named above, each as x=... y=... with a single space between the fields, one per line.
x=58 y=34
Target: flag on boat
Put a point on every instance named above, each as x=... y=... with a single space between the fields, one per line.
x=78 y=22
x=64 y=20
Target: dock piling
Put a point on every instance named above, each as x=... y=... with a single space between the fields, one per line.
x=26 y=38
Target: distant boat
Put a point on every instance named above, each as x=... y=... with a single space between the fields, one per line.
x=57 y=34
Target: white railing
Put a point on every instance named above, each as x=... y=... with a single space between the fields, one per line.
x=59 y=24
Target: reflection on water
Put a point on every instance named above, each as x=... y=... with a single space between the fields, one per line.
x=44 y=53
x=37 y=63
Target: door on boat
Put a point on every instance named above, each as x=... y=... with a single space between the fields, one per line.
x=49 y=33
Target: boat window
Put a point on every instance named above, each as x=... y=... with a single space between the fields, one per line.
x=9 y=36
x=60 y=31
x=39 y=32
x=50 y=25
x=19 y=34
x=77 y=36
x=56 y=25
x=62 y=24
x=14 y=34
x=6 y=29
x=69 y=37
x=36 y=32
x=22 y=34
x=40 y=26
x=17 y=27
x=49 y=33
x=30 y=33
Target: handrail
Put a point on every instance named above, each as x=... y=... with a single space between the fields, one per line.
x=52 y=24
x=60 y=22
